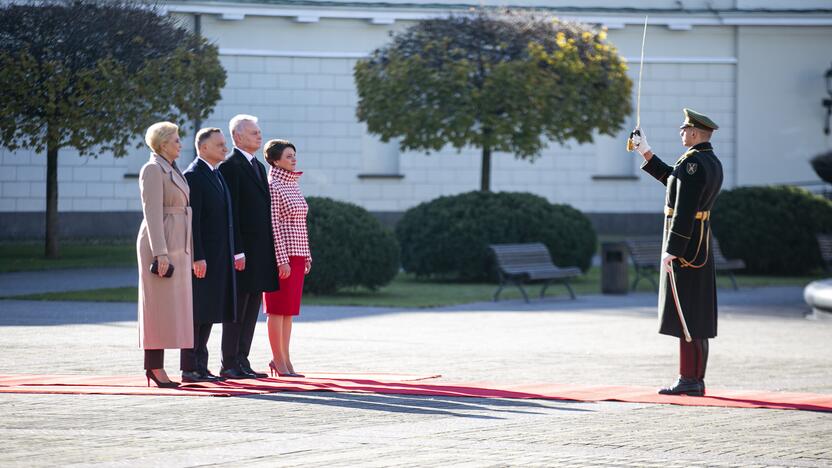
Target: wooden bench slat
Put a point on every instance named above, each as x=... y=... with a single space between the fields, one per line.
x=722 y=263
x=825 y=247
x=529 y=262
x=646 y=256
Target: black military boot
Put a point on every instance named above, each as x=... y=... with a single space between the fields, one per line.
x=684 y=386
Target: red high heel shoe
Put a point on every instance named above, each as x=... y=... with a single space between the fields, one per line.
x=273 y=371
x=292 y=373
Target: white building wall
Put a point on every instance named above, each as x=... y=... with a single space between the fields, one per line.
x=297 y=78
x=781 y=86
x=84 y=183
x=311 y=101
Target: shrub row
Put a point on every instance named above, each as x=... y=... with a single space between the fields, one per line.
x=449 y=236
x=350 y=247
x=773 y=228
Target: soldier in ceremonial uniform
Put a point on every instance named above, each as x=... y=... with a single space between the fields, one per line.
x=693 y=184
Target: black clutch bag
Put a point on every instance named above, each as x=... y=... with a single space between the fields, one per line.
x=154 y=268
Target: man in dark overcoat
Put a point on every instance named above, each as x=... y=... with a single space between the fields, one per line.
x=693 y=184
x=254 y=253
x=213 y=246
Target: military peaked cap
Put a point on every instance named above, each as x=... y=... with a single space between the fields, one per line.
x=695 y=119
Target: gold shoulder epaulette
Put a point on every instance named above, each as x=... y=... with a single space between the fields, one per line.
x=686 y=155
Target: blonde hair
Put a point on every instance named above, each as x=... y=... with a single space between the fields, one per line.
x=159 y=133
x=236 y=121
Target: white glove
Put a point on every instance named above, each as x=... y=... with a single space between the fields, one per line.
x=639 y=140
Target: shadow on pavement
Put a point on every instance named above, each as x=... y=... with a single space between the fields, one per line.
x=442 y=406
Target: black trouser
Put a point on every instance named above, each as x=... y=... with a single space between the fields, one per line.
x=154 y=359
x=237 y=335
x=196 y=358
x=693 y=358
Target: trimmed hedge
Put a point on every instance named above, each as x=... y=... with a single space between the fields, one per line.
x=449 y=236
x=772 y=228
x=350 y=247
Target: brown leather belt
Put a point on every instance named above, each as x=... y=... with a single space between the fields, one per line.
x=703 y=215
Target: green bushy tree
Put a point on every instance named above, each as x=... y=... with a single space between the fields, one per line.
x=498 y=81
x=94 y=74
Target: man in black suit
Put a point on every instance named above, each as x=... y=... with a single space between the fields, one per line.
x=254 y=250
x=213 y=246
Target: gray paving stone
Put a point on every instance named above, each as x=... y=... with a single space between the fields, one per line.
x=765 y=343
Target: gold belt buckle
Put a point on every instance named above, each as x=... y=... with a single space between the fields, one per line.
x=703 y=215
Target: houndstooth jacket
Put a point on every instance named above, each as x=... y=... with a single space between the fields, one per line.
x=289 y=210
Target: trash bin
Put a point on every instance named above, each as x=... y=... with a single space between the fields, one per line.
x=614 y=268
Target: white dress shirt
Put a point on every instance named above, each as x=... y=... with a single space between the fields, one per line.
x=213 y=168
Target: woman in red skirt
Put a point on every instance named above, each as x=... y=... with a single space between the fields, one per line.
x=291 y=246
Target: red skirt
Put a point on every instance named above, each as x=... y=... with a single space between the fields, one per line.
x=286 y=300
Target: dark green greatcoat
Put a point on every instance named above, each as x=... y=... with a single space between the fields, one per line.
x=693 y=184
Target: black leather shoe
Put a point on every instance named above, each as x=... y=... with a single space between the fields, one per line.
x=214 y=378
x=683 y=386
x=196 y=376
x=234 y=373
x=252 y=373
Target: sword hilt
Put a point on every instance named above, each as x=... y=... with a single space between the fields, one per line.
x=630 y=145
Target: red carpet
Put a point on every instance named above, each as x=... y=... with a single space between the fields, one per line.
x=410 y=385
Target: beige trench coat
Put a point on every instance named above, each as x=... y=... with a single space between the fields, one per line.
x=165 y=304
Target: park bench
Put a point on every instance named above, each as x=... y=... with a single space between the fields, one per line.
x=825 y=247
x=519 y=263
x=646 y=256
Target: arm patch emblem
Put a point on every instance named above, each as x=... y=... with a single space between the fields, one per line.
x=691 y=168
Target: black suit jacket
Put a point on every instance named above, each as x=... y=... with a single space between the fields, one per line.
x=213 y=235
x=251 y=206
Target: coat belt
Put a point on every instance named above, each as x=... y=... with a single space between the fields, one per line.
x=182 y=210
x=703 y=215
x=175 y=210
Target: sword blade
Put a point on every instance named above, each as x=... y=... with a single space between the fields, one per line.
x=640 y=70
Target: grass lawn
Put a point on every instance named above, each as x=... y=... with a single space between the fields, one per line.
x=27 y=256
x=408 y=291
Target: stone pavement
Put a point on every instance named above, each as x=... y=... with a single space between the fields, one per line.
x=765 y=342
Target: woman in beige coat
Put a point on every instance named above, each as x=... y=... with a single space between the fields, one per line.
x=165 y=303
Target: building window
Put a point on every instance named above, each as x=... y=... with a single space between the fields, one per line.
x=380 y=160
